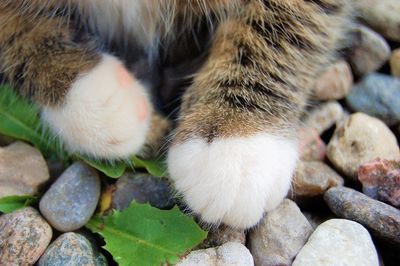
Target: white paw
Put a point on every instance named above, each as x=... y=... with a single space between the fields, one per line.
x=233 y=180
x=106 y=113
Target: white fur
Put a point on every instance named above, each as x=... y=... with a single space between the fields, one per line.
x=233 y=180
x=99 y=117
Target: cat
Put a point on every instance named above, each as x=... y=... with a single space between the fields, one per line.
x=234 y=148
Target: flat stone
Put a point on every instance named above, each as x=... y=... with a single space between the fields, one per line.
x=229 y=254
x=382 y=219
x=313 y=178
x=71 y=249
x=222 y=235
x=280 y=235
x=369 y=51
x=381 y=180
x=338 y=242
x=360 y=139
x=325 y=116
x=335 y=83
x=142 y=188
x=377 y=95
x=70 y=202
x=24 y=236
x=23 y=170
x=395 y=63
x=382 y=16
x=311 y=146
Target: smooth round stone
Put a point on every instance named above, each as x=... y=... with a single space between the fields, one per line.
x=23 y=170
x=381 y=218
x=24 y=236
x=338 y=242
x=280 y=235
x=229 y=254
x=377 y=95
x=395 y=63
x=381 y=15
x=72 y=199
x=313 y=178
x=358 y=140
x=71 y=249
x=324 y=116
x=335 y=83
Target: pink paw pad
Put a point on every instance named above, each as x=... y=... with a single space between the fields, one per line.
x=125 y=79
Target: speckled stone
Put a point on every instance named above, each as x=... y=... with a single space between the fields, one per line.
x=23 y=170
x=311 y=146
x=377 y=95
x=24 y=236
x=358 y=140
x=71 y=249
x=280 y=235
x=338 y=242
x=142 y=188
x=335 y=83
x=324 y=116
x=313 y=178
x=381 y=218
x=370 y=51
x=72 y=199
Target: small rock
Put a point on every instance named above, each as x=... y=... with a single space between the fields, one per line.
x=382 y=219
x=22 y=170
x=71 y=249
x=377 y=95
x=280 y=235
x=229 y=254
x=142 y=188
x=24 y=236
x=222 y=235
x=381 y=180
x=370 y=51
x=314 y=178
x=335 y=83
x=311 y=146
x=382 y=16
x=395 y=63
x=324 y=116
x=338 y=242
x=358 y=140
x=72 y=199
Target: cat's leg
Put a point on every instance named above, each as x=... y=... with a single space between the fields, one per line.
x=88 y=97
x=235 y=147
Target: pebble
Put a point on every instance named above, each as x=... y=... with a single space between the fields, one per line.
x=222 y=235
x=324 y=116
x=377 y=95
x=311 y=146
x=72 y=199
x=360 y=139
x=382 y=16
x=313 y=178
x=335 y=83
x=395 y=63
x=24 y=236
x=71 y=249
x=338 y=242
x=229 y=254
x=23 y=170
x=381 y=218
x=381 y=180
x=370 y=51
x=280 y=235
x=142 y=188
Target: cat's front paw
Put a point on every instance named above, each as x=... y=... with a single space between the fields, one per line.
x=233 y=180
x=106 y=112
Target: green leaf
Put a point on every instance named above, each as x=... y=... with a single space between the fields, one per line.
x=154 y=167
x=110 y=169
x=12 y=203
x=143 y=235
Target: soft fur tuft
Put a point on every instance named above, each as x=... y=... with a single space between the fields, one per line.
x=233 y=180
